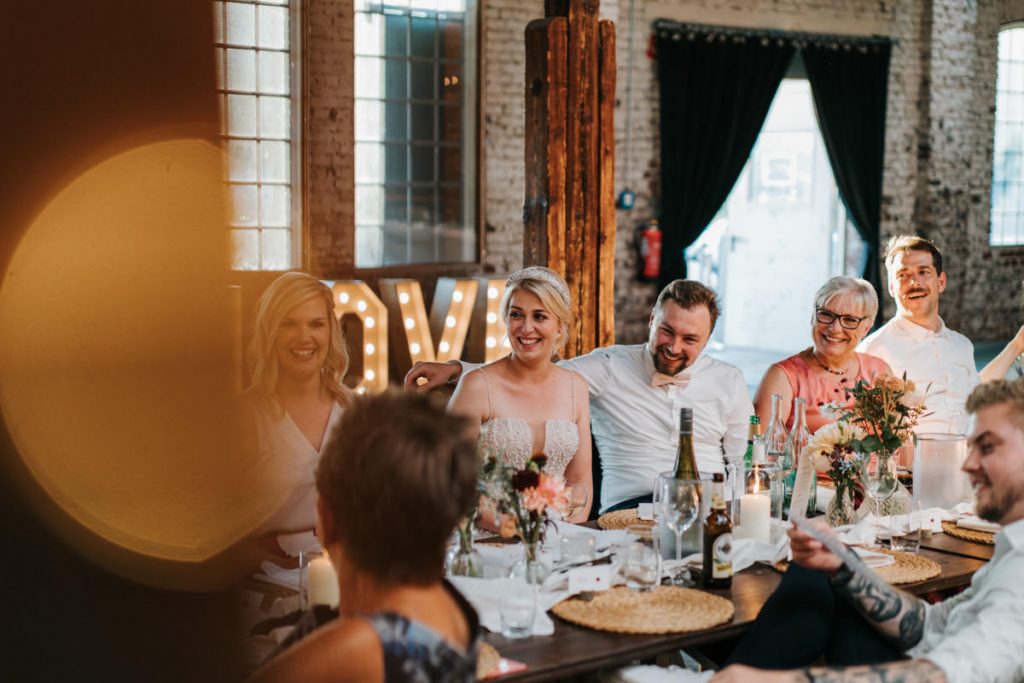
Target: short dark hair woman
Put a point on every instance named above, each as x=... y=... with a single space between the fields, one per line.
x=397 y=476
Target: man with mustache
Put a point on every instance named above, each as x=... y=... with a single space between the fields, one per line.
x=917 y=342
x=636 y=392
x=871 y=632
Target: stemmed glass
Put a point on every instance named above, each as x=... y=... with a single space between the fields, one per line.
x=680 y=505
x=577 y=495
x=880 y=482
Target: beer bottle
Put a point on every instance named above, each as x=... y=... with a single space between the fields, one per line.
x=718 y=539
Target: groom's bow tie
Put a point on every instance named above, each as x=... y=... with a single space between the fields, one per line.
x=660 y=379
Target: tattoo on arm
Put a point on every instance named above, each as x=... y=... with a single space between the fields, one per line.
x=896 y=614
x=903 y=671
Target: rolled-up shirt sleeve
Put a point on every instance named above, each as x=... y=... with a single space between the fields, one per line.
x=978 y=636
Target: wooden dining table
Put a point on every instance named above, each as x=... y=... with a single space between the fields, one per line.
x=574 y=650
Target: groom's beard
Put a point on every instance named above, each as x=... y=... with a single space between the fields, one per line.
x=667 y=362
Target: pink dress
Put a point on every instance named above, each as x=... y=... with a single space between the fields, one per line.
x=819 y=388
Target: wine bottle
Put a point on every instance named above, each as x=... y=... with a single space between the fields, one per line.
x=752 y=431
x=718 y=539
x=686 y=459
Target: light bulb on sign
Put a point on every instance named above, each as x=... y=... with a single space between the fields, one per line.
x=414 y=348
x=409 y=323
x=403 y=297
x=370 y=349
x=491 y=342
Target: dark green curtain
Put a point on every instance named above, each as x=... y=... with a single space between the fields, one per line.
x=716 y=88
x=850 y=83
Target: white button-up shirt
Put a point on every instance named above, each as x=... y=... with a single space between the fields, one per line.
x=943 y=359
x=978 y=636
x=636 y=426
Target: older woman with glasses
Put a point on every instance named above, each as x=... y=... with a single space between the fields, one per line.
x=844 y=309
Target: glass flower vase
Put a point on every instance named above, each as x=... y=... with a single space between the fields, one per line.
x=464 y=560
x=840 y=510
x=531 y=568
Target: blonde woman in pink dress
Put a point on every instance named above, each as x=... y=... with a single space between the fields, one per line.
x=844 y=310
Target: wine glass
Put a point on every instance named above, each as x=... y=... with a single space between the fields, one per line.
x=880 y=482
x=576 y=496
x=680 y=505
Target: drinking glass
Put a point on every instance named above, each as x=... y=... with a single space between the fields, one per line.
x=577 y=495
x=880 y=483
x=642 y=566
x=905 y=534
x=680 y=504
x=518 y=608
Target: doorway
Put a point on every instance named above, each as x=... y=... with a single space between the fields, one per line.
x=780 y=234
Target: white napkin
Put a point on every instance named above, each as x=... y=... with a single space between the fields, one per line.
x=747 y=551
x=486 y=595
x=978 y=524
x=603 y=538
x=289 y=578
x=645 y=511
x=660 y=674
x=873 y=559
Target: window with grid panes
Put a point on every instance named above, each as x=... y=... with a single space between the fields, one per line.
x=415 y=127
x=254 y=71
x=1007 y=166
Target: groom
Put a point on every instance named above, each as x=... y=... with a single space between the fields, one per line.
x=636 y=392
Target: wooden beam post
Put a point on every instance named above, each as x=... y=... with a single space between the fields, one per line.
x=569 y=211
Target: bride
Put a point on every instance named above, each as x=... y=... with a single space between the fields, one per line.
x=524 y=403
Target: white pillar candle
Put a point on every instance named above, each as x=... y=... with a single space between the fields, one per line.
x=322 y=582
x=755 y=511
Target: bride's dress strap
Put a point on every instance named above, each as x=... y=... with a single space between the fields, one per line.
x=490 y=405
x=572 y=394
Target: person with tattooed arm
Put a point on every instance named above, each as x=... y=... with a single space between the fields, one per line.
x=867 y=631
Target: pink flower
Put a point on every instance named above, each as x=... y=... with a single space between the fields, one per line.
x=549 y=492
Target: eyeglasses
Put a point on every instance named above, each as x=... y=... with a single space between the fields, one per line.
x=849 y=322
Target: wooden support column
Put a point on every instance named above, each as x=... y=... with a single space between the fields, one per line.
x=569 y=212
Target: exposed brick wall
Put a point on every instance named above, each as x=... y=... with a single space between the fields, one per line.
x=938 y=137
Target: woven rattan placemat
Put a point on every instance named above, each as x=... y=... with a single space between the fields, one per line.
x=666 y=609
x=620 y=519
x=968 y=534
x=909 y=568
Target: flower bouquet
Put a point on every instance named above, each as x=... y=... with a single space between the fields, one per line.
x=522 y=498
x=832 y=452
x=886 y=411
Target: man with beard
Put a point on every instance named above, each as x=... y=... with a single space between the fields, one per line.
x=917 y=342
x=636 y=392
x=874 y=632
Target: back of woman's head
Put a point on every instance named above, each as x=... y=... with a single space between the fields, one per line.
x=397 y=475
x=283 y=295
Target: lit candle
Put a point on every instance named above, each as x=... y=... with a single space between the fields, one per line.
x=755 y=511
x=322 y=582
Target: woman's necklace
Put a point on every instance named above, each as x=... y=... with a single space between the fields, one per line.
x=832 y=371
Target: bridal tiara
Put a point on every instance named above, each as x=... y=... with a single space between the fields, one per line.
x=544 y=275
